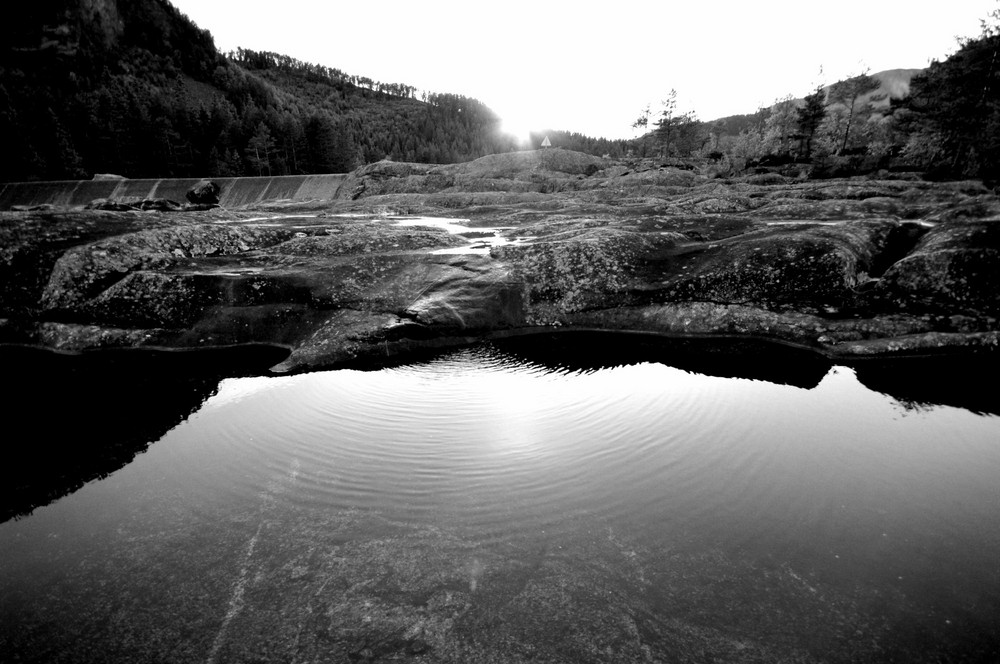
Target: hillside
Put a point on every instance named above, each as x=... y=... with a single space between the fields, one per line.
x=893 y=83
x=135 y=88
x=374 y=120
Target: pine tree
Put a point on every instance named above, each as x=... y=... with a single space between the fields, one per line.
x=854 y=96
x=259 y=149
x=954 y=105
x=674 y=132
x=641 y=124
x=810 y=117
x=779 y=125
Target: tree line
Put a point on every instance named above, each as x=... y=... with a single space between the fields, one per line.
x=265 y=60
x=143 y=92
x=947 y=126
x=135 y=88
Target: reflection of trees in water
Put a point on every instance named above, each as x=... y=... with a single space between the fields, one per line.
x=916 y=382
x=962 y=380
x=751 y=359
x=73 y=419
x=913 y=407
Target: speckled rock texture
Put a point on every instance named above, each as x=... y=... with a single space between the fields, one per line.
x=849 y=267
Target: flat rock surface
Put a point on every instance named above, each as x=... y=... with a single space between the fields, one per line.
x=513 y=243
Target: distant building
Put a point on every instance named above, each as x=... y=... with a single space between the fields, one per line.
x=546 y=143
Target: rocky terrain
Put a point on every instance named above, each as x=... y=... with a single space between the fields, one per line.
x=861 y=271
x=884 y=264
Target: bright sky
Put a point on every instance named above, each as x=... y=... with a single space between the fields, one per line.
x=591 y=67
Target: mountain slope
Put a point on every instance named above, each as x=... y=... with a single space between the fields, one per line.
x=895 y=82
x=134 y=88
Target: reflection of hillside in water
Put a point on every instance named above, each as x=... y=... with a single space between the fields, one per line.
x=927 y=380
x=963 y=380
x=725 y=358
x=75 y=418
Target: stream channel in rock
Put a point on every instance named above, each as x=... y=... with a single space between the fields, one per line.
x=525 y=499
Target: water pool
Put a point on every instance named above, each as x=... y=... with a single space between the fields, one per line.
x=515 y=501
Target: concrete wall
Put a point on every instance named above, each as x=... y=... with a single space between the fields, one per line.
x=236 y=192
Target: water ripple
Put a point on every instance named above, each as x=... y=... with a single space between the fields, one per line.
x=483 y=435
x=476 y=428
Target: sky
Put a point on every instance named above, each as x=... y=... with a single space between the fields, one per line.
x=591 y=67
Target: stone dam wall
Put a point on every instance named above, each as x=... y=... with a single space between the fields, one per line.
x=236 y=192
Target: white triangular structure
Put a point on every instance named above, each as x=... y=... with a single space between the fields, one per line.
x=546 y=143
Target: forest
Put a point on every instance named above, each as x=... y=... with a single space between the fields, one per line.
x=947 y=127
x=136 y=89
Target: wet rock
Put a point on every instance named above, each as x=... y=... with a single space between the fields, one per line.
x=847 y=266
x=805 y=267
x=85 y=271
x=367 y=238
x=578 y=270
x=153 y=299
x=490 y=300
x=955 y=267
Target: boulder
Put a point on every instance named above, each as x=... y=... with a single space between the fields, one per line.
x=160 y=205
x=114 y=204
x=126 y=203
x=205 y=192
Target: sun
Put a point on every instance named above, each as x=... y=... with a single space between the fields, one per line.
x=518 y=125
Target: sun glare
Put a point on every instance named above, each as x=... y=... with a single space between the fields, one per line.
x=517 y=125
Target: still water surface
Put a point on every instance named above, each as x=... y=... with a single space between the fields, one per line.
x=727 y=518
